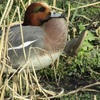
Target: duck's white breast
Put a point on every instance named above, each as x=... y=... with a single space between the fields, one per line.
x=40 y=62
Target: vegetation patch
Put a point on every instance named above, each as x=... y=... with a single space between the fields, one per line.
x=74 y=77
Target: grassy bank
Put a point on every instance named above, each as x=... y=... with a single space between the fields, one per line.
x=70 y=78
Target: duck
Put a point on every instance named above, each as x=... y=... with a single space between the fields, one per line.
x=42 y=40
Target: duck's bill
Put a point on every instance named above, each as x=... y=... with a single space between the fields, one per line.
x=56 y=15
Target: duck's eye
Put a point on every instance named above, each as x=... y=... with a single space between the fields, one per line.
x=39 y=9
x=42 y=9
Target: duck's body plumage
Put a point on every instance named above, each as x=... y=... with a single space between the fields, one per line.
x=34 y=38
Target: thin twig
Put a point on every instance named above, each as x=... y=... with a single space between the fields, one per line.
x=88 y=5
x=3 y=16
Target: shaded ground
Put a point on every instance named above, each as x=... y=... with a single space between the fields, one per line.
x=70 y=83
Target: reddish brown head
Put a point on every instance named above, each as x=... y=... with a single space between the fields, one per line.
x=37 y=13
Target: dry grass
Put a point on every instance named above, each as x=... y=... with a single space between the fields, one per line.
x=22 y=84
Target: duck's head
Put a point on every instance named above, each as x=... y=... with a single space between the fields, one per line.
x=37 y=13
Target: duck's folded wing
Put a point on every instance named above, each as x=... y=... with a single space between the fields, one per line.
x=26 y=36
x=19 y=43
